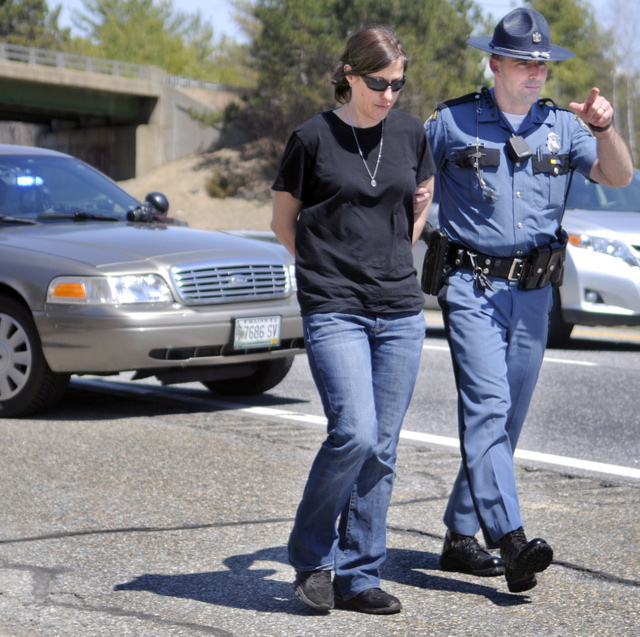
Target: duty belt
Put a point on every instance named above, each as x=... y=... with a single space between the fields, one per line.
x=502 y=268
x=543 y=265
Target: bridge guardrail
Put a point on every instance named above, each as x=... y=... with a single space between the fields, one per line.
x=57 y=59
x=60 y=60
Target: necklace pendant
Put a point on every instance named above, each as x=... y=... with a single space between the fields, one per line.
x=374 y=183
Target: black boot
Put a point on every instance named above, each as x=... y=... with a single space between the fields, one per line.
x=463 y=553
x=522 y=559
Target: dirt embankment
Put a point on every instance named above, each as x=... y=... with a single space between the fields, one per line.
x=184 y=183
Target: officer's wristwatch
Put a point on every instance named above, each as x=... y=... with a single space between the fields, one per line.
x=601 y=129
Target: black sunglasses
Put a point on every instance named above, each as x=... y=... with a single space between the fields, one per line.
x=379 y=84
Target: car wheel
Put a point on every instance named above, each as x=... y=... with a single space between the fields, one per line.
x=27 y=384
x=267 y=375
x=559 y=329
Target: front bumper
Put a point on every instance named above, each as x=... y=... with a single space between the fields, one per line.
x=616 y=284
x=108 y=340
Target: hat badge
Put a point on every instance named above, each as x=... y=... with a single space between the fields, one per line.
x=523 y=34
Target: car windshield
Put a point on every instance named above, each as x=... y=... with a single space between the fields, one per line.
x=586 y=195
x=40 y=186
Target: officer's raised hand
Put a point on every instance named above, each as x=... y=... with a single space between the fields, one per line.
x=596 y=111
x=613 y=166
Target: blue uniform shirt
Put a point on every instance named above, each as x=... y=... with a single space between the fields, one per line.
x=507 y=207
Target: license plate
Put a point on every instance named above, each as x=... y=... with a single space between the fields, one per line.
x=259 y=331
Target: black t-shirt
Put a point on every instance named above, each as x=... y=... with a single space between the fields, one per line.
x=353 y=240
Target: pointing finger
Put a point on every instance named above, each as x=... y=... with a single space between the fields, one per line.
x=593 y=95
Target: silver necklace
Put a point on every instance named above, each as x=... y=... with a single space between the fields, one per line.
x=374 y=183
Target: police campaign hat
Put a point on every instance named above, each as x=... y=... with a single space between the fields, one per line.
x=524 y=34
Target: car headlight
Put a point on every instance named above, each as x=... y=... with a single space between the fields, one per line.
x=110 y=290
x=604 y=245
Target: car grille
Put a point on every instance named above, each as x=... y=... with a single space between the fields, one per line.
x=205 y=283
x=215 y=351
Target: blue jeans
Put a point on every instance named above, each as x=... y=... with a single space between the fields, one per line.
x=365 y=370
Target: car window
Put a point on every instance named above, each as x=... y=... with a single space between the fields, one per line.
x=587 y=195
x=36 y=186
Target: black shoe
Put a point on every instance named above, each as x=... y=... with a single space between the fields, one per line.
x=522 y=559
x=463 y=554
x=373 y=601
x=315 y=589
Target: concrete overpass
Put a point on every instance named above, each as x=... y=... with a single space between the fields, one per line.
x=125 y=119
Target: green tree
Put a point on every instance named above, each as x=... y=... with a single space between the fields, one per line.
x=229 y=61
x=295 y=45
x=30 y=23
x=148 y=32
x=625 y=52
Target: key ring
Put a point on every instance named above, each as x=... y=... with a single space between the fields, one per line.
x=482 y=282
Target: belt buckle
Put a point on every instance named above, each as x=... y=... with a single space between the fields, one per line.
x=515 y=271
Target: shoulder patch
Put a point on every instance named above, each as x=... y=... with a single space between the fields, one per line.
x=581 y=122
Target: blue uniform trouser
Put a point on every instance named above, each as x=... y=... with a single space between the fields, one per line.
x=365 y=370
x=497 y=341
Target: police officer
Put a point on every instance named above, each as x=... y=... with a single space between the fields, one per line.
x=504 y=158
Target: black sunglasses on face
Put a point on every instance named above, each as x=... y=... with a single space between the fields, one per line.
x=379 y=84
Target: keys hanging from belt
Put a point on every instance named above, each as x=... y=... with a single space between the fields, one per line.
x=482 y=282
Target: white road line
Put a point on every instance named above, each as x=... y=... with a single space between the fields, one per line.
x=576 y=463
x=321 y=422
x=561 y=461
x=437 y=348
x=288 y=415
x=566 y=361
x=430 y=438
x=547 y=359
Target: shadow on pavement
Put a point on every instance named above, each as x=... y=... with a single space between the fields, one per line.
x=242 y=586
x=589 y=345
x=94 y=400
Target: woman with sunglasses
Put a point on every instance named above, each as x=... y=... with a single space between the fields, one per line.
x=344 y=207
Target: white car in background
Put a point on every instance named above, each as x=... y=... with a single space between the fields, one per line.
x=602 y=274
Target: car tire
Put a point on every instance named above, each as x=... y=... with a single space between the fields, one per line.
x=267 y=375
x=27 y=384
x=559 y=329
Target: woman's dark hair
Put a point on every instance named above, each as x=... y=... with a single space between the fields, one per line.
x=370 y=49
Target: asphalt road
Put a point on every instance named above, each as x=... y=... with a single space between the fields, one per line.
x=586 y=404
x=133 y=509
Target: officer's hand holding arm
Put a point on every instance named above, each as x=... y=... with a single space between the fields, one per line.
x=613 y=166
x=286 y=210
x=421 y=204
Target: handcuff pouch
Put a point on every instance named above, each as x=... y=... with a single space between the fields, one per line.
x=545 y=264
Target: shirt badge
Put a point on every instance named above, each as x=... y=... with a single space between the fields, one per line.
x=553 y=143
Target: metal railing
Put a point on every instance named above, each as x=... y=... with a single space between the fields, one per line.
x=185 y=82
x=59 y=60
